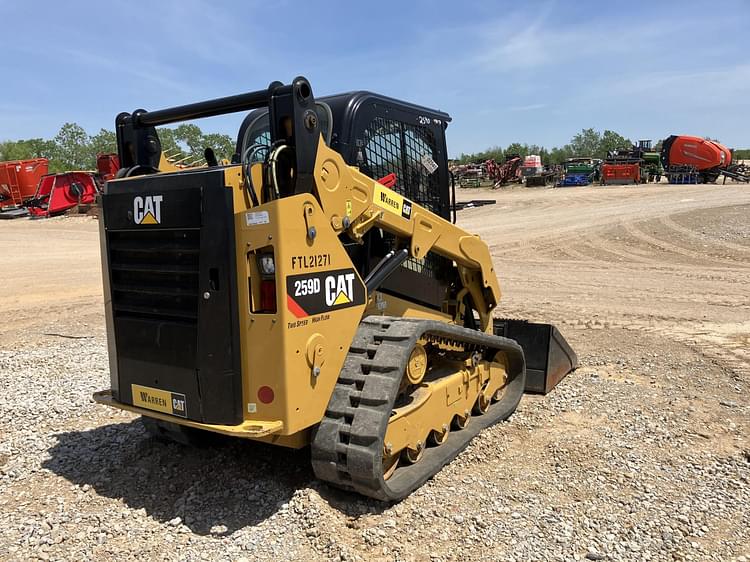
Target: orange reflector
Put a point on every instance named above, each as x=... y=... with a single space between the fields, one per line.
x=265 y=394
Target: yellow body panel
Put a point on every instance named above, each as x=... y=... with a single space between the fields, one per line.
x=279 y=350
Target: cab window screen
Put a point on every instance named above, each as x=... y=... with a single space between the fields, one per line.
x=397 y=147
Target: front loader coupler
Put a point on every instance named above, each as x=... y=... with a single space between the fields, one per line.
x=549 y=357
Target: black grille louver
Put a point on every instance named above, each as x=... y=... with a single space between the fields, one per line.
x=155 y=274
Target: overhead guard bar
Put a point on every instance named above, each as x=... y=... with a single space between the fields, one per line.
x=208 y=108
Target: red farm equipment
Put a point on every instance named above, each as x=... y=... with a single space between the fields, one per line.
x=27 y=189
x=19 y=180
x=59 y=192
x=709 y=159
x=507 y=172
x=107 y=166
x=620 y=172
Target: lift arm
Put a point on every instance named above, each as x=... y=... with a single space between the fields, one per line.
x=355 y=203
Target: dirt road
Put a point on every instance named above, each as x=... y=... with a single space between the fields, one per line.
x=675 y=260
x=642 y=454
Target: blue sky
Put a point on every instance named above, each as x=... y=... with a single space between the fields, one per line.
x=534 y=72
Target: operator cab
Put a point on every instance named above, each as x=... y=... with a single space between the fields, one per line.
x=382 y=136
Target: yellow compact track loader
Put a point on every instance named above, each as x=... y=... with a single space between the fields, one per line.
x=315 y=291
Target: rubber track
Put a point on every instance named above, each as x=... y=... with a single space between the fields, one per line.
x=347 y=446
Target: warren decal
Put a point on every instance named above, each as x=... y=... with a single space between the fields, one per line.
x=164 y=401
x=391 y=201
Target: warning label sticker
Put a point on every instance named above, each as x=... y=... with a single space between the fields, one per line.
x=258 y=217
x=429 y=164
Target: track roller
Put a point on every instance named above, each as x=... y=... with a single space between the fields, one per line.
x=439 y=437
x=413 y=456
x=461 y=421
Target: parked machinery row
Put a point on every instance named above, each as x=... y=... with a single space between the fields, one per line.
x=681 y=159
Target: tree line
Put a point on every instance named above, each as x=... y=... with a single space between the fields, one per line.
x=587 y=143
x=72 y=148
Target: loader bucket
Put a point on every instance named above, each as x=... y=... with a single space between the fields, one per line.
x=549 y=357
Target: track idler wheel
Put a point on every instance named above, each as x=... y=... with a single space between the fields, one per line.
x=500 y=392
x=417 y=364
x=481 y=405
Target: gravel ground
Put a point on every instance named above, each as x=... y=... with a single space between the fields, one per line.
x=641 y=454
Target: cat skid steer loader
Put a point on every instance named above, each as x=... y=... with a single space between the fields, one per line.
x=315 y=291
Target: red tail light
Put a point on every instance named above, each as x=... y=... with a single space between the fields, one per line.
x=268 y=295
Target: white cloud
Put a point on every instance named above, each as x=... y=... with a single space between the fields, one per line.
x=529 y=107
x=542 y=44
x=149 y=72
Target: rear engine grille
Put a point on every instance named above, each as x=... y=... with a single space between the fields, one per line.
x=155 y=274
